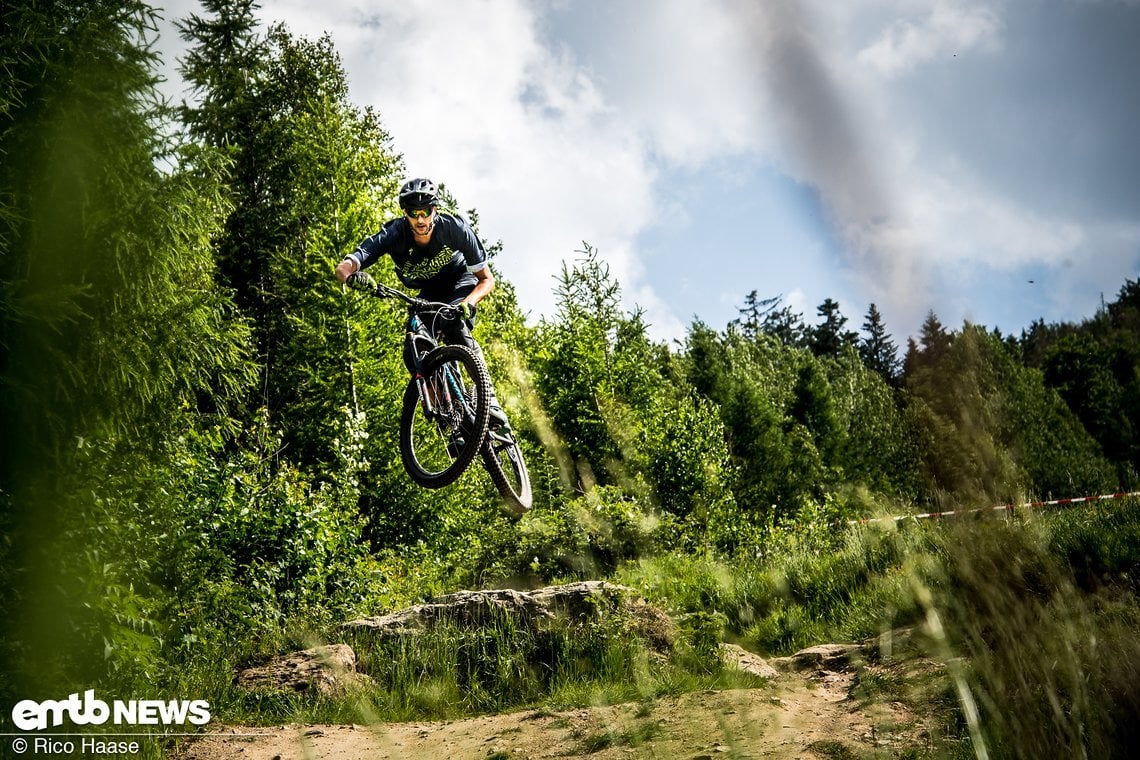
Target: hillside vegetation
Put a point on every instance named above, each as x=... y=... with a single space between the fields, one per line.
x=200 y=466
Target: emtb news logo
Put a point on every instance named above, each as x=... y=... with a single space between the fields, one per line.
x=29 y=715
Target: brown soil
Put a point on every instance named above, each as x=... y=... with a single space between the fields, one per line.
x=820 y=714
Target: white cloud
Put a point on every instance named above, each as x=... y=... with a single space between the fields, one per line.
x=558 y=138
x=473 y=98
x=683 y=74
x=946 y=29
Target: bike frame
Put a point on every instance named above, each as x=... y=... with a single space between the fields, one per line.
x=418 y=331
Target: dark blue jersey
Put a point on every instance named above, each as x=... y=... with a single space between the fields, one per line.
x=442 y=270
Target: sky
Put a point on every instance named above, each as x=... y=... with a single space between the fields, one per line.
x=975 y=158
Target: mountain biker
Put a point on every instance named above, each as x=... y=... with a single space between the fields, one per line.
x=439 y=255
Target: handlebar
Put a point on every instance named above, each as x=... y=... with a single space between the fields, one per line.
x=366 y=283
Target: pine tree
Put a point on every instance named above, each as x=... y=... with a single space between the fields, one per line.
x=311 y=175
x=828 y=338
x=786 y=326
x=117 y=344
x=576 y=368
x=766 y=316
x=933 y=337
x=877 y=350
x=753 y=313
x=226 y=67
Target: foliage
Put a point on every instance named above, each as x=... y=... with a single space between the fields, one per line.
x=828 y=338
x=621 y=411
x=799 y=426
x=990 y=428
x=1009 y=591
x=1034 y=618
x=113 y=331
x=200 y=464
x=877 y=350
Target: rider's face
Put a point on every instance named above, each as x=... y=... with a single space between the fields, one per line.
x=421 y=219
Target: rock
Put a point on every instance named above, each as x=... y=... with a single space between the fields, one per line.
x=465 y=608
x=575 y=602
x=889 y=644
x=329 y=669
x=739 y=657
x=821 y=657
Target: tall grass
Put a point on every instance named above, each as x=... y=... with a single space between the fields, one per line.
x=1045 y=612
x=1033 y=620
x=1035 y=616
x=456 y=670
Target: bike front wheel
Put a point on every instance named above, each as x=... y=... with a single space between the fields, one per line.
x=503 y=461
x=445 y=414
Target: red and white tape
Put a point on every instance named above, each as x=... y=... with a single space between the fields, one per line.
x=1000 y=508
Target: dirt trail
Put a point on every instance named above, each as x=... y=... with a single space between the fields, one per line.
x=798 y=715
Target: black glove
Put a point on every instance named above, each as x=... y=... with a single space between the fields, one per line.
x=361 y=281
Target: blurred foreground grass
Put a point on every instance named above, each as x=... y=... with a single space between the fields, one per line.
x=1035 y=616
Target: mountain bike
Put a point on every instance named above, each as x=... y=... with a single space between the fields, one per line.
x=445 y=420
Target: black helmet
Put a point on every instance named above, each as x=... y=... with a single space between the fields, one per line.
x=418 y=193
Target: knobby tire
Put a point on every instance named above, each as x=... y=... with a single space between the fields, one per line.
x=474 y=426
x=513 y=486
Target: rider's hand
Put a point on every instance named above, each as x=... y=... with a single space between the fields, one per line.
x=345 y=269
x=361 y=281
x=467 y=310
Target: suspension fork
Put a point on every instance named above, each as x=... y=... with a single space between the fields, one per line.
x=418 y=372
x=433 y=395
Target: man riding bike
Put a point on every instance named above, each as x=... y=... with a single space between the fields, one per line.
x=439 y=255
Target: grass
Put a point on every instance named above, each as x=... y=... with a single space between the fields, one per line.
x=1034 y=619
x=455 y=671
x=1039 y=611
x=633 y=737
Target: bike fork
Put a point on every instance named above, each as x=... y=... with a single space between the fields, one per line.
x=425 y=397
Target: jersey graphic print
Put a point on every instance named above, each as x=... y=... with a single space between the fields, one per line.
x=418 y=271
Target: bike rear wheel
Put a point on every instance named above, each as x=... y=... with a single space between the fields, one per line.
x=503 y=460
x=444 y=418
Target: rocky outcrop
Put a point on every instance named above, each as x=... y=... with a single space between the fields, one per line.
x=327 y=669
x=332 y=669
x=574 y=603
x=736 y=656
x=835 y=657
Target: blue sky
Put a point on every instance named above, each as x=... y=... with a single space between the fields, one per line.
x=918 y=154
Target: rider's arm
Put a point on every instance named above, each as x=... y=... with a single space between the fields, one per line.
x=485 y=284
x=368 y=251
x=464 y=239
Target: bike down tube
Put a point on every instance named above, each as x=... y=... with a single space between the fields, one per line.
x=455 y=389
